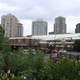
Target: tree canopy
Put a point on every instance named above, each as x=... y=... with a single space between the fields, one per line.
x=32 y=65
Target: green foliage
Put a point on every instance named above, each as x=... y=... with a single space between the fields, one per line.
x=1 y=32
x=31 y=64
x=28 y=64
x=34 y=67
x=1 y=37
x=64 y=69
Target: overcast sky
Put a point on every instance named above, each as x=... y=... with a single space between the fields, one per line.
x=28 y=10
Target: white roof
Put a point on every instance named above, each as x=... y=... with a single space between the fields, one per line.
x=20 y=37
x=58 y=36
x=52 y=37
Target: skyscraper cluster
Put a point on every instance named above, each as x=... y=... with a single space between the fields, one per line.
x=13 y=28
x=40 y=27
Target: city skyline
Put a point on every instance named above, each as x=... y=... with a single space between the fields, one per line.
x=71 y=25
x=27 y=24
x=28 y=10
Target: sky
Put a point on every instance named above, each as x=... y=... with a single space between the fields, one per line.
x=28 y=10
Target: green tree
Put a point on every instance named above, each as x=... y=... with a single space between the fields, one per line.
x=4 y=52
x=1 y=37
x=27 y=64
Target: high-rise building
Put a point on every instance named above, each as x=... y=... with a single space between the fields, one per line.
x=11 y=25
x=77 y=30
x=19 y=30
x=39 y=27
x=60 y=25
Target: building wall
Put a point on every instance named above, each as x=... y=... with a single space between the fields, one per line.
x=39 y=28
x=77 y=30
x=9 y=23
x=19 y=30
x=60 y=25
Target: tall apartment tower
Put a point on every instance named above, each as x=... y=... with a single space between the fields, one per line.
x=11 y=26
x=39 y=27
x=19 y=30
x=60 y=25
x=77 y=30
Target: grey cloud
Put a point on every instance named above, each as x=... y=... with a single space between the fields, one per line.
x=47 y=9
